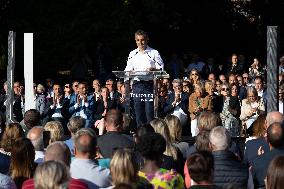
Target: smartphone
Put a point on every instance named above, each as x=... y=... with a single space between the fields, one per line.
x=46 y=138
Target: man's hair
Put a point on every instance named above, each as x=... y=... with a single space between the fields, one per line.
x=202 y=141
x=275 y=135
x=58 y=151
x=142 y=32
x=38 y=141
x=178 y=81
x=31 y=118
x=207 y=121
x=259 y=78
x=273 y=117
x=114 y=117
x=220 y=138
x=89 y=147
x=75 y=124
x=200 y=166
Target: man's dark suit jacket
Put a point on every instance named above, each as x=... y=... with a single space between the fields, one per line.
x=4 y=163
x=251 y=149
x=183 y=104
x=260 y=166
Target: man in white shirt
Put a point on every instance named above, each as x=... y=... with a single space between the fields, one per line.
x=143 y=59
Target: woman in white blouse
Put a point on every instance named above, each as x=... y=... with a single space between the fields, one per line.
x=252 y=107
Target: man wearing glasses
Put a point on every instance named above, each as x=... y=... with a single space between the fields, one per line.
x=143 y=59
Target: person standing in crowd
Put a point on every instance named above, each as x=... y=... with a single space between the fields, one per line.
x=143 y=58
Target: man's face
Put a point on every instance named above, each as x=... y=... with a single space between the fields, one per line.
x=211 y=77
x=141 y=42
x=240 y=80
x=234 y=59
x=177 y=88
x=222 y=78
x=258 y=85
x=75 y=86
x=56 y=90
x=82 y=89
x=232 y=79
x=245 y=77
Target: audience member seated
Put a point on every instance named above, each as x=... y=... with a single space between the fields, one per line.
x=152 y=147
x=12 y=132
x=56 y=131
x=36 y=137
x=201 y=168
x=22 y=165
x=75 y=124
x=199 y=102
x=113 y=139
x=194 y=77
x=103 y=104
x=177 y=103
x=59 y=152
x=31 y=119
x=252 y=107
x=124 y=169
x=51 y=174
x=258 y=146
x=174 y=156
x=275 y=138
x=230 y=111
x=275 y=174
x=84 y=166
x=175 y=129
x=227 y=167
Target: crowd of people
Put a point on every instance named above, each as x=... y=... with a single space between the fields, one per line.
x=76 y=137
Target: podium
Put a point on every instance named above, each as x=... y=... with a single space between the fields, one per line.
x=128 y=76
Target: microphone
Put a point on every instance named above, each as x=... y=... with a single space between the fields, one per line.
x=133 y=55
x=153 y=59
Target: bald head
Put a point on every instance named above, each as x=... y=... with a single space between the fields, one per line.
x=273 y=117
x=36 y=137
x=58 y=151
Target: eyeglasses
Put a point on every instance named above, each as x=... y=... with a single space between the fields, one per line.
x=66 y=86
x=177 y=87
x=225 y=89
x=75 y=85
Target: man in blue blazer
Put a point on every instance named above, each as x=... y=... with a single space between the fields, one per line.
x=82 y=105
x=177 y=103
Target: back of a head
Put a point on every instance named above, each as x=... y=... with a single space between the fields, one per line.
x=85 y=142
x=275 y=135
x=220 y=138
x=202 y=141
x=123 y=167
x=273 y=117
x=32 y=118
x=144 y=129
x=207 y=121
x=161 y=127
x=200 y=166
x=12 y=132
x=58 y=151
x=151 y=146
x=75 y=124
x=275 y=173
x=175 y=127
x=56 y=130
x=51 y=175
x=114 y=119
x=36 y=137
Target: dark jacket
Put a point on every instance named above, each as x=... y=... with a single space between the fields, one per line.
x=228 y=169
x=260 y=166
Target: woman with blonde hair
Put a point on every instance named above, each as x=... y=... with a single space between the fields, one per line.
x=172 y=156
x=175 y=129
x=51 y=175
x=124 y=169
x=199 y=101
x=56 y=131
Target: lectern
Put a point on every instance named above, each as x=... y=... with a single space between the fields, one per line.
x=141 y=75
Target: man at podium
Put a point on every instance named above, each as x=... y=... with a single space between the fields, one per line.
x=143 y=59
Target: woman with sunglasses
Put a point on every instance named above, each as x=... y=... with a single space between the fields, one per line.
x=194 y=76
x=230 y=111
